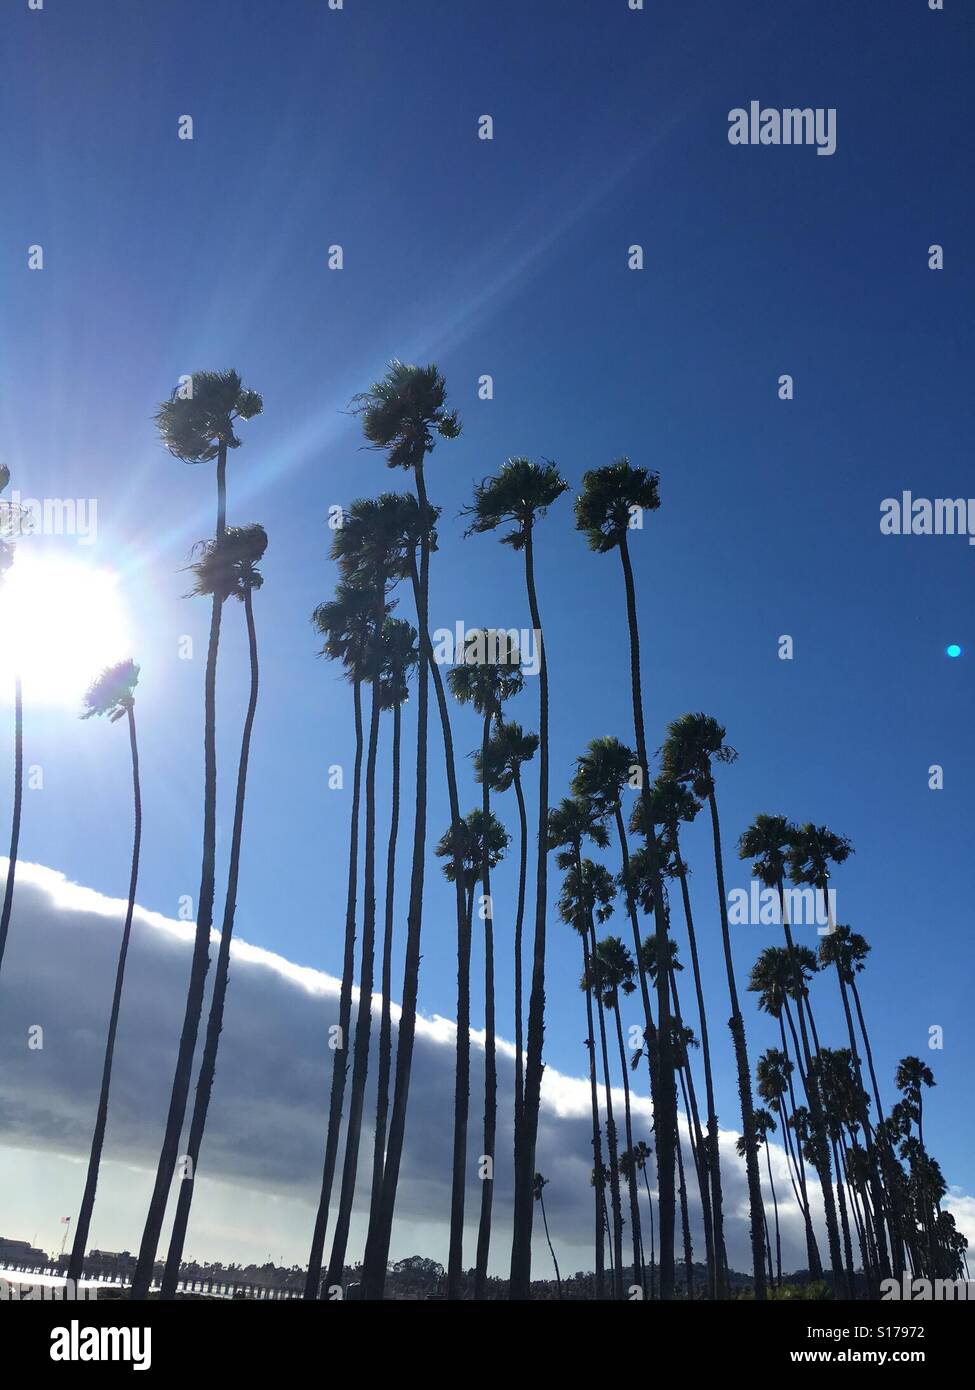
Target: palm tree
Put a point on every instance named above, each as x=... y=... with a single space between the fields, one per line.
x=602 y=773
x=401 y=414
x=11 y=526
x=612 y=500
x=508 y=750
x=640 y=1156
x=489 y=673
x=399 y=657
x=764 y=1126
x=197 y=428
x=369 y=547
x=540 y=1184
x=775 y=978
x=616 y=969
x=228 y=567
x=518 y=497
x=586 y=897
x=112 y=694
x=847 y=950
x=769 y=841
x=694 y=743
x=350 y=625
x=911 y=1077
x=673 y=805
x=773 y=1075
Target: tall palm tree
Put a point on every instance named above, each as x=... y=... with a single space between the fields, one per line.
x=540 y=1185
x=370 y=550
x=641 y=1154
x=675 y=805
x=602 y=773
x=518 y=497
x=846 y=951
x=229 y=567
x=612 y=500
x=769 y=841
x=198 y=427
x=10 y=527
x=488 y=674
x=112 y=694
x=509 y=749
x=773 y=1076
x=399 y=657
x=350 y=625
x=911 y=1079
x=775 y=978
x=764 y=1126
x=616 y=969
x=586 y=897
x=694 y=743
x=400 y=414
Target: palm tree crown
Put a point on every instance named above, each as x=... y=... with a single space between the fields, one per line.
x=693 y=743
x=769 y=841
x=610 y=498
x=402 y=412
x=517 y=496
x=348 y=624
x=228 y=564
x=603 y=772
x=194 y=426
x=471 y=833
x=488 y=673
x=508 y=749
x=398 y=658
x=113 y=692
x=591 y=892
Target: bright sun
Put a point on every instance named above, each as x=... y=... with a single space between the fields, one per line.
x=61 y=622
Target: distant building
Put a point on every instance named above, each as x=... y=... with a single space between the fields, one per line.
x=21 y=1252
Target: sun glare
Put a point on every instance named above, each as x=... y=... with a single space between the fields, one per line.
x=61 y=622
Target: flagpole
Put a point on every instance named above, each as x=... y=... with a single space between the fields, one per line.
x=67 y=1227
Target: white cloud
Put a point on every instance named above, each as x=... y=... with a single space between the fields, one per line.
x=261 y=1160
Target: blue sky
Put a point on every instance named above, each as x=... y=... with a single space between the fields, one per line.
x=358 y=127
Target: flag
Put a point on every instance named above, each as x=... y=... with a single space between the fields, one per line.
x=65 y=1220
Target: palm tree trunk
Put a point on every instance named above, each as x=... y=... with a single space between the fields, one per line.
x=775 y=1209
x=756 y=1208
x=650 y=1031
x=490 y=1060
x=614 y=1169
x=8 y=892
x=798 y=1163
x=597 y=1147
x=551 y=1251
x=665 y=1116
x=381 y=1213
x=685 y=1223
x=719 y=1273
x=386 y=1016
x=519 y=925
x=653 y=1256
x=200 y=963
x=526 y=1132
x=76 y=1262
x=313 y=1276
x=221 y=977
x=844 y=1222
x=363 y=1021
x=698 y=1150
x=628 y=1119
x=462 y=1082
